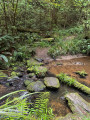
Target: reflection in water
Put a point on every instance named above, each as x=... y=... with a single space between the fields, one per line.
x=70 y=67
x=57 y=100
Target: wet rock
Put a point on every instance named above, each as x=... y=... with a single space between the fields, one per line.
x=31 y=75
x=27 y=82
x=39 y=59
x=20 y=75
x=77 y=104
x=33 y=62
x=51 y=82
x=3 y=76
x=40 y=71
x=13 y=78
x=36 y=86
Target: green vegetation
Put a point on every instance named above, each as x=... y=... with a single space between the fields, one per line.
x=18 y=108
x=82 y=74
x=26 y=25
x=62 y=26
x=73 y=82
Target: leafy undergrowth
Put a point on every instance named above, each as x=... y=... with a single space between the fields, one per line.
x=19 y=109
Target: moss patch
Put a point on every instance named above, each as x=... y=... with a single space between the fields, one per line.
x=73 y=82
x=36 y=86
x=33 y=62
x=3 y=76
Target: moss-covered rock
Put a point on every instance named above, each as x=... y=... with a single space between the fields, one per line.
x=33 y=62
x=31 y=75
x=27 y=82
x=51 y=82
x=31 y=69
x=73 y=82
x=13 y=74
x=36 y=86
x=3 y=75
x=40 y=71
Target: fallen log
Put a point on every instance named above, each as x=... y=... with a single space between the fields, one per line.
x=73 y=82
x=79 y=107
x=77 y=104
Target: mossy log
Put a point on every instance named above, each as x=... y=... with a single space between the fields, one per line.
x=77 y=104
x=48 y=39
x=79 y=107
x=73 y=82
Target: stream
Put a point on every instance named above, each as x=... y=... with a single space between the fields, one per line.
x=57 y=100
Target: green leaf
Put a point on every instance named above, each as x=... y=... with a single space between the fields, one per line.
x=4 y=57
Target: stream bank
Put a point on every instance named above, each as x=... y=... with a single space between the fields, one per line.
x=57 y=99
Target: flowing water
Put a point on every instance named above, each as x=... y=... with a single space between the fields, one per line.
x=69 y=67
x=57 y=100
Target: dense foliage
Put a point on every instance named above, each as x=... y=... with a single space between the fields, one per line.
x=23 y=24
x=18 y=108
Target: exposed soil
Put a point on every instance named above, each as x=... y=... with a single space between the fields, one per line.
x=42 y=53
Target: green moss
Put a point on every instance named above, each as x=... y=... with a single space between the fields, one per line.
x=71 y=81
x=36 y=86
x=15 y=68
x=40 y=71
x=31 y=75
x=3 y=75
x=33 y=62
x=66 y=79
x=82 y=73
x=27 y=82
x=31 y=69
x=13 y=74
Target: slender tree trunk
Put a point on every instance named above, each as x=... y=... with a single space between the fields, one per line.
x=4 y=9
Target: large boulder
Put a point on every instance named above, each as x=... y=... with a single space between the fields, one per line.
x=36 y=86
x=51 y=82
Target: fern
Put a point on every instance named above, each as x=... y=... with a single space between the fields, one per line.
x=17 y=108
